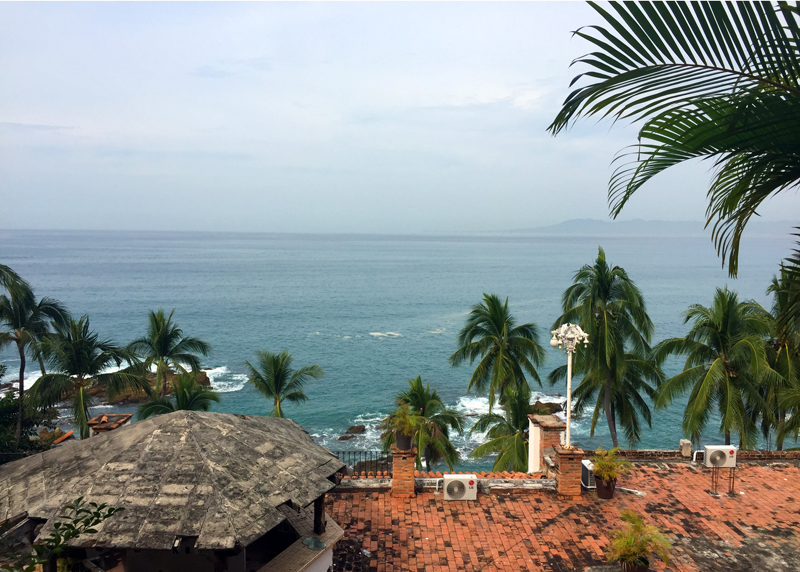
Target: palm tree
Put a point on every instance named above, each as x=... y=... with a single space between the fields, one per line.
x=166 y=347
x=611 y=309
x=189 y=396
x=276 y=380
x=432 y=437
x=77 y=357
x=507 y=435
x=710 y=80
x=782 y=397
x=14 y=283
x=506 y=352
x=636 y=377
x=24 y=322
x=726 y=362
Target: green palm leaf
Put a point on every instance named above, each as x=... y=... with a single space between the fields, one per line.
x=711 y=80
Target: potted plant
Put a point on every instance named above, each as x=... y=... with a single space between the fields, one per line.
x=608 y=467
x=403 y=422
x=633 y=545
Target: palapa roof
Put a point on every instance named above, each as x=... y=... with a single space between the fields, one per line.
x=215 y=476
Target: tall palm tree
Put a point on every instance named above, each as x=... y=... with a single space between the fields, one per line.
x=634 y=386
x=611 y=309
x=726 y=362
x=711 y=80
x=166 y=347
x=189 y=396
x=432 y=438
x=77 y=358
x=507 y=434
x=24 y=322
x=275 y=379
x=505 y=351
x=782 y=397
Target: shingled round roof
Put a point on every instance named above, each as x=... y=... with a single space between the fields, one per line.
x=215 y=476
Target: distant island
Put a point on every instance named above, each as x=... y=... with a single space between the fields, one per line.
x=640 y=227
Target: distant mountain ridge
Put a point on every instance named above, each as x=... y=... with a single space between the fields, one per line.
x=640 y=227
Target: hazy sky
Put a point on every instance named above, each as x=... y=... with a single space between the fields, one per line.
x=305 y=117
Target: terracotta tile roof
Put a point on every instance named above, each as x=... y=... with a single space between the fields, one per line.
x=750 y=532
x=64 y=437
x=108 y=422
x=439 y=475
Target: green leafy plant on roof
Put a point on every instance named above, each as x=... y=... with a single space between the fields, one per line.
x=633 y=545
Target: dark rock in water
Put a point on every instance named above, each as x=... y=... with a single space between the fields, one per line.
x=4 y=386
x=356 y=429
x=470 y=415
x=551 y=408
x=346 y=437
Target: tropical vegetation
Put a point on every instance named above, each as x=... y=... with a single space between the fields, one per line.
x=618 y=374
x=710 y=80
x=428 y=421
x=608 y=466
x=507 y=434
x=505 y=351
x=24 y=322
x=165 y=347
x=637 y=542
x=726 y=361
x=187 y=395
x=78 y=359
x=274 y=378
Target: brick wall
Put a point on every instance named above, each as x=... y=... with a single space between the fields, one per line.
x=403 y=471
x=667 y=454
x=568 y=473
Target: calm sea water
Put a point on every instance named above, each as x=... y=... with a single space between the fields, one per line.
x=373 y=311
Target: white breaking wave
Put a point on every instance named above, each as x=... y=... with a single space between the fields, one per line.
x=385 y=335
x=438 y=331
x=223 y=381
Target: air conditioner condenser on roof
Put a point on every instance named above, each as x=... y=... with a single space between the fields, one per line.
x=460 y=487
x=587 y=475
x=720 y=456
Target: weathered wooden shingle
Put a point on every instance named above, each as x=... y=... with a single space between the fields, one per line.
x=215 y=476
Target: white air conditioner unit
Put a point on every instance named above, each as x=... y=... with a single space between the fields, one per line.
x=720 y=456
x=587 y=475
x=460 y=487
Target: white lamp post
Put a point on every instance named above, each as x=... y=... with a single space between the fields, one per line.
x=569 y=335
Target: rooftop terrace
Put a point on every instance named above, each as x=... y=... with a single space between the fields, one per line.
x=758 y=528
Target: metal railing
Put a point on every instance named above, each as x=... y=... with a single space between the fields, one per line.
x=362 y=463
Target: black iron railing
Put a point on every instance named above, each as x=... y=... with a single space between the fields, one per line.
x=364 y=463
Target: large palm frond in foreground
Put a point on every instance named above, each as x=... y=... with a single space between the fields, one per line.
x=710 y=80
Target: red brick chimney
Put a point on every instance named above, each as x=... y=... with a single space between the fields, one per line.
x=403 y=465
x=568 y=473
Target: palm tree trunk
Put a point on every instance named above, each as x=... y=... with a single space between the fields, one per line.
x=21 y=410
x=160 y=373
x=727 y=437
x=612 y=425
x=778 y=433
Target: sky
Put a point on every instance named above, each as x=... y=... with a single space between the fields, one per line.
x=308 y=117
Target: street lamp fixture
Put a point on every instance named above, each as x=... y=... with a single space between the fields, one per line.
x=569 y=336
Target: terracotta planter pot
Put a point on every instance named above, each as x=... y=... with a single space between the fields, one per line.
x=629 y=567
x=403 y=442
x=605 y=490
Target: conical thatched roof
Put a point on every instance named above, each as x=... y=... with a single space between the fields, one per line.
x=215 y=476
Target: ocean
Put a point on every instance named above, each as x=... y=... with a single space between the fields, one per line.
x=373 y=311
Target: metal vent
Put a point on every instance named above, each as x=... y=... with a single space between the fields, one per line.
x=456 y=489
x=717 y=458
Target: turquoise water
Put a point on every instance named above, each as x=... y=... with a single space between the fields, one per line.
x=373 y=311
